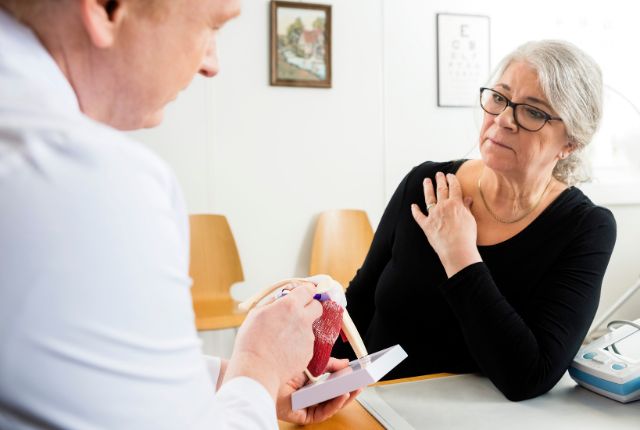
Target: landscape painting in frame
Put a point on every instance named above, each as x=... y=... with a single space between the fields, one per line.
x=300 y=44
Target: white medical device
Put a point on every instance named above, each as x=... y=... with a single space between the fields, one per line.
x=610 y=365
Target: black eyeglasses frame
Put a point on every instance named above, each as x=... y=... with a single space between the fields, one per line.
x=513 y=106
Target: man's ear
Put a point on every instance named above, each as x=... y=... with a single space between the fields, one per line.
x=101 y=19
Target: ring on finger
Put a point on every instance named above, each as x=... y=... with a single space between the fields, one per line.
x=430 y=205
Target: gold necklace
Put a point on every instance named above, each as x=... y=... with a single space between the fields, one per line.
x=520 y=218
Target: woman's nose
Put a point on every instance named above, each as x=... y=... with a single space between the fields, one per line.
x=507 y=118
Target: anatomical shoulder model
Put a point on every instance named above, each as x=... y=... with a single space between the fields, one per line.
x=334 y=320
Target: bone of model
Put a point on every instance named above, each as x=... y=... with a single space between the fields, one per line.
x=324 y=283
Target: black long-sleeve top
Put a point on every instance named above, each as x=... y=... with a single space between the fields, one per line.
x=518 y=317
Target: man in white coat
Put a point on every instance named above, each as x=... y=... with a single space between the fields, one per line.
x=96 y=324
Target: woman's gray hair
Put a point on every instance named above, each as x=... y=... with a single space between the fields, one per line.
x=572 y=83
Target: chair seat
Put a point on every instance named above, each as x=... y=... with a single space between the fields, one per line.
x=217 y=313
x=214 y=267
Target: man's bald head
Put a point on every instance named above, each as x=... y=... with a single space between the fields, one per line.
x=127 y=59
x=24 y=9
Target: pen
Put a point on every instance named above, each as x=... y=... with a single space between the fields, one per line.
x=322 y=297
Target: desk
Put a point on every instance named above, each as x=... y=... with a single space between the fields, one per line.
x=471 y=401
x=354 y=416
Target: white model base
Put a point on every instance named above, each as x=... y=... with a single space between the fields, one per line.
x=358 y=374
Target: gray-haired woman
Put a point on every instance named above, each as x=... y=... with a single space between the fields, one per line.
x=495 y=265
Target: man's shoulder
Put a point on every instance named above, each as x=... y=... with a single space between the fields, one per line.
x=83 y=170
x=49 y=141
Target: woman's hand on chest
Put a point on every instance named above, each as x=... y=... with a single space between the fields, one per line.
x=449 y=224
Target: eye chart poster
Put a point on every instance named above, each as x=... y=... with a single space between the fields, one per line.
x=463 y=58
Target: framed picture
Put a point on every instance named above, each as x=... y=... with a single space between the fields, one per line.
x=463 y=46
x=300 y=44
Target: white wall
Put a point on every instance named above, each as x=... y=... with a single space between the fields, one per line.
x=271 y=158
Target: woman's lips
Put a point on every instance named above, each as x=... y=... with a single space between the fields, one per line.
x=495 y=142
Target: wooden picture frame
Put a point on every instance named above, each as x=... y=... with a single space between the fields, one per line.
x=463 y=57
x=300 y=44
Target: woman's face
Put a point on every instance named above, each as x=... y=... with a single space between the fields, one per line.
x=509 y=149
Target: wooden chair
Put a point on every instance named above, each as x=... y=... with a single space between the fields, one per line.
x=340 y=244
x=215 y=266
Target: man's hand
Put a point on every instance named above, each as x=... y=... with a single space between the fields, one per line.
x=315 y=413
x=275 y=342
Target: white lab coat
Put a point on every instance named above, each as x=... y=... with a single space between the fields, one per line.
x=96 y=324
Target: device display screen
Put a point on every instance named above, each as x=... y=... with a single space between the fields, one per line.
x=629 y=347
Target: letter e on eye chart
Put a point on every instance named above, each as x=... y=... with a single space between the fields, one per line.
x=463 y=58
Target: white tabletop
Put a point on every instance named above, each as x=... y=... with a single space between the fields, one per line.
x=472 y=402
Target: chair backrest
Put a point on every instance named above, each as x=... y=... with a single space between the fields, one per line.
x=215 y=263
x=340 y=244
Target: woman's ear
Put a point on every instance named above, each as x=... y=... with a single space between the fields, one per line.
x=567 y=149
x=101 y=19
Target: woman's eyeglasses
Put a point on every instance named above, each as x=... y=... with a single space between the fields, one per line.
x=526 y=116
